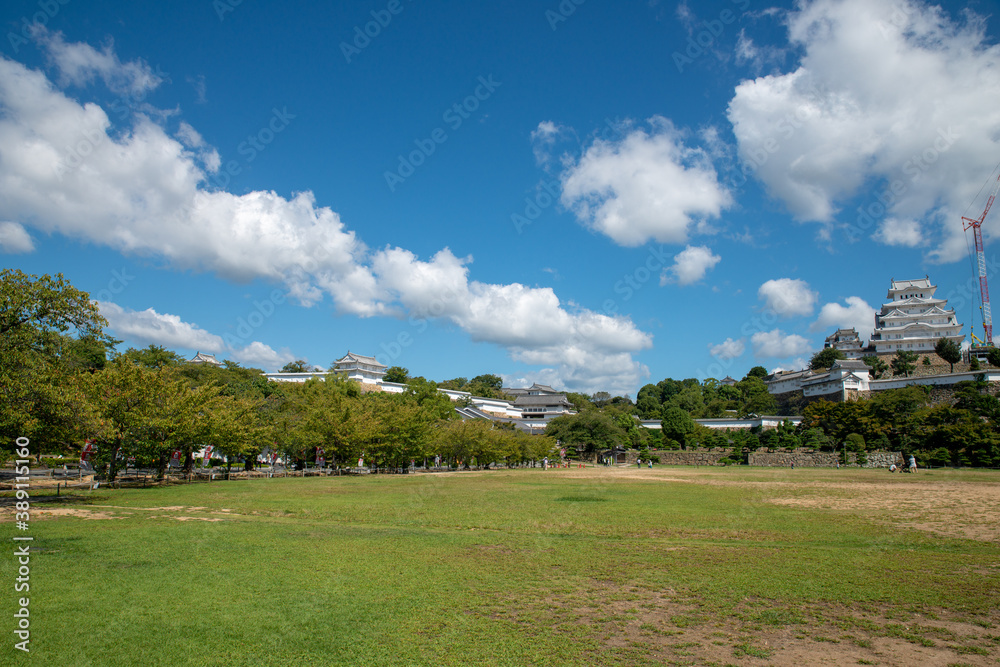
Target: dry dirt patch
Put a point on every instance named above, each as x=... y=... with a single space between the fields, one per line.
x=662 y=627
x=965 y=509
x=43 y=513
x=970 y=511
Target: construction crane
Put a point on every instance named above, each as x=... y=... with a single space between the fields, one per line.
x=976 y=226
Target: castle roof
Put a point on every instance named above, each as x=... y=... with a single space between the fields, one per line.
x=361 y=359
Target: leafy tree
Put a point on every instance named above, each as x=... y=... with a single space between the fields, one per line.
x=48 y=330
x=876 y=364
x=825 y=358
x=297 y=366
x=581 y=402
x=668 y=387
x=926 y=361
x=601 y=398
x=993 y=356
x=432 y=401
x=689 y=399
x=769 y=439
x=648 y=402
x=816 y=439
x=397 y=374
x=154 y=356
x=757 y=372
x=854 y=443
x=973 y=363
x=487 y=386
x=949 y=351
x=124 y=413
x=588 y=431
x=755 y=398
x=904 y=362
x=455 y=384
x=677 y=424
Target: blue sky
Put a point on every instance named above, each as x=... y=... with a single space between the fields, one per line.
x=588 y=194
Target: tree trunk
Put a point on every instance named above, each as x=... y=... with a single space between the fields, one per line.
x=161 y=465
x=113 y=465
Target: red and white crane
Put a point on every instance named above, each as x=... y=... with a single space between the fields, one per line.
x=984 y=289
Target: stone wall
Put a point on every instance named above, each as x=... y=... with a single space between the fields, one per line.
x=702 y=457
x=807 y=458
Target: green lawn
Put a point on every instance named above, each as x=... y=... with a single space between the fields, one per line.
x=502 y=568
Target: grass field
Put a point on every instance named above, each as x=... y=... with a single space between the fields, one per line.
x=708 y=566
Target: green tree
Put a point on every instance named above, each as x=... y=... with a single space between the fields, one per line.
x=689 y=399
x=677 y=424
x=154 y=356
x=581 y=402
x=124 y=413
x=904 y=363
x=397 y=374
x=993 y=356
x=588 y=431
x=757 y=372
x=949 y=351
x=297 y=366
x=825 y=358
x=48 y=331
x=755 y=399
x=648 y=402
x=876 y=364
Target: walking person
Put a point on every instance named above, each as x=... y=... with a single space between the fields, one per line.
x=913 y=464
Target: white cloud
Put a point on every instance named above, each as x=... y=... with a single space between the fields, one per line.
x=690 y=266
x=259 y=355
x=79 y=63
x=891 y=95
x=728 y=349
x=543 y=138
x=857 y=314
x=145 y=190
x=14 y=238
x=148 y=327
x=788 y=297
x=893 y=231
x=777 y=344
x=648 y=185
x=588 y=351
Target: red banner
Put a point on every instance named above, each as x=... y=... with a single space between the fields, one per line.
x=320 y=456
x=208 y=455
x=175 y=459
x=88 y=451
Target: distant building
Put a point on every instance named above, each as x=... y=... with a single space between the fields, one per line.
x=357 y=367
x=913 y=320
x=848 y=342
x=543 y=406
x=843 y=382
x=366 y=370
x=728 y=382
x=532 y=408
x=200 y=358
x=782 y=382
x=534 y=390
